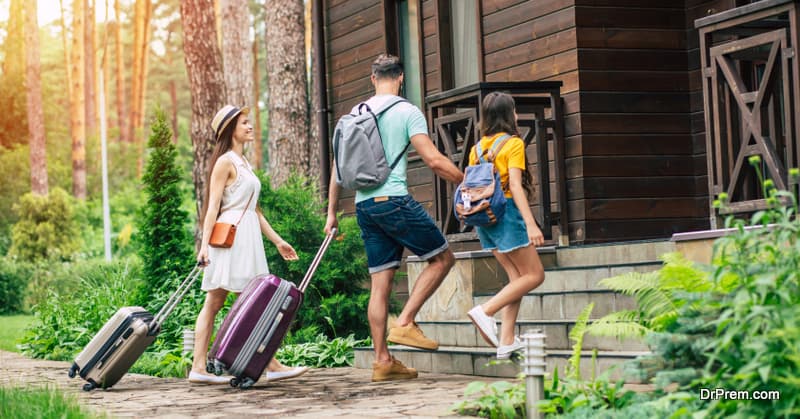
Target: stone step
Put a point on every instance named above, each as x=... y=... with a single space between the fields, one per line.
x=564 y=293
x=464 y=334
x=476 y=361
x=613 y=253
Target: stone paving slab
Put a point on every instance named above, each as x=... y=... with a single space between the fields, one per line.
x=330 y=393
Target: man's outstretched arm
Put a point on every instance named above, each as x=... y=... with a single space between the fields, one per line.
x=437 y=161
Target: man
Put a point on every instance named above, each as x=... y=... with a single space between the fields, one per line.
x=390 y=220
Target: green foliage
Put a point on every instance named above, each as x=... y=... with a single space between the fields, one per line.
x=658 y=295
x=576 y=336
x=15 y=172
x=12 y=331
x=572 y=394
x=335 y=301
x=14 y=276
x=46 y=229
x=125 y=204
x=40 y=403
x=166 y=244
x=163 y=363
x=64 y=323
x=500 y=399
x=322 y=352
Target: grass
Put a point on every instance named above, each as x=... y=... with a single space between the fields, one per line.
x=11 y=332
x=28 y=403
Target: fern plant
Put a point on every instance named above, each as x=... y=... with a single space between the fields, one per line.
x=658 y=295
x=576 y=336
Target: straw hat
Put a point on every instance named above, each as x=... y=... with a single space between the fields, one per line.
x=224 y=116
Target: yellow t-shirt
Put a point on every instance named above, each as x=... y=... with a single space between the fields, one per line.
x=511 y=155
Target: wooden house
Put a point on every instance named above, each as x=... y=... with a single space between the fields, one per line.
x=638 y=113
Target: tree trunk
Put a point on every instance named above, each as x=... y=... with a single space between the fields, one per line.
x=122 y=110
x=141 y=48
x=12 y=79
x=236 y=63
x=91 y=77
x=77 y=102
x=288 y=105
x=204 y=68
x=258 y=151
x=313 y=102
x=33 y=85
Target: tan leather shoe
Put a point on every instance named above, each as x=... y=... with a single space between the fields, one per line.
x=394 y=370
x=411 y=335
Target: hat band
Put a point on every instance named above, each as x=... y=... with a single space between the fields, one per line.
x=224 y=121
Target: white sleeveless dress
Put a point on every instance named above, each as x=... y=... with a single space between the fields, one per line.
x=234 y=267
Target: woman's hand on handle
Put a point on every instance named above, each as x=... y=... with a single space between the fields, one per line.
x=202 y=256
x=286 y=250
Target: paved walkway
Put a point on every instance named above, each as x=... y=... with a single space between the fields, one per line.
x=334 y=392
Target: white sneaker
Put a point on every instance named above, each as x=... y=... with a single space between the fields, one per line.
x=283 y=375
x=198 y=378
x=486 y=325
x=505 y=351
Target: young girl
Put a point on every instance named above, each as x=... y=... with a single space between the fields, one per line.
x=511 y=238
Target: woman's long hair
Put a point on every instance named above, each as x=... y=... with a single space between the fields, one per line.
x=224 y=144
x=499 y=116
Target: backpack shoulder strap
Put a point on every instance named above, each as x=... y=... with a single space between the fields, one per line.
x=492 y=151
x=497 y=146
x=389 y=104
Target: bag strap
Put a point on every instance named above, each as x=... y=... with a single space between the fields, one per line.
x=385 y=107
x=492 y=151
x=247 y=205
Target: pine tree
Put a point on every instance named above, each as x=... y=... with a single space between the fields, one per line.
x=165 y=241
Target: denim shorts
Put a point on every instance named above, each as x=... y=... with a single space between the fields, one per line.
x=506 y=235
x=389 y=226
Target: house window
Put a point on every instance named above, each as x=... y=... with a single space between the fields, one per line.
x=464 y=38
x=408 y=31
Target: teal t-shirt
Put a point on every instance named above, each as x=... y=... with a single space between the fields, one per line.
x=397 y=126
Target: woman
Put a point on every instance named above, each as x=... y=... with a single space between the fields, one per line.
x=511 y=237
x=232 y=189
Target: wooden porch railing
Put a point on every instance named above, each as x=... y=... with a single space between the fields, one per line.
x=455 y=115
x=751 y=94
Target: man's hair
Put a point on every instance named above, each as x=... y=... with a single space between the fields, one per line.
x=387 y=67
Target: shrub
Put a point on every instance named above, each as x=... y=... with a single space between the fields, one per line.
x=335 y=300
x=166 y=245
x=14 y=276
x=321 y=352
x=46 y=229
x=64 y=323
x=500 y=399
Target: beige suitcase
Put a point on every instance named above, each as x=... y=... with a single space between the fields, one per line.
x=122 y=340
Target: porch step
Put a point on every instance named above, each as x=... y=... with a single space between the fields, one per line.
x=464 y=334
x=563 y=295
x=476 y=361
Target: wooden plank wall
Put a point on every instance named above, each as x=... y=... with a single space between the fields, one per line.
x=355 y=36
x=635 y=142
x=636 y=174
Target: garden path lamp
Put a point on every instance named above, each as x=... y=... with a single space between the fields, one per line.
x=533 y=366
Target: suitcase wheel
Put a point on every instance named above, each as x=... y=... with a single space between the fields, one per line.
x=235 y=382
x=73 y=370
x=88 y=387
x=246 y=383
x=219 y=368
x=210 y=367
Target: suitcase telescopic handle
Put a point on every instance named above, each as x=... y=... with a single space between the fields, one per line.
x=317 y=259
x=176 y=297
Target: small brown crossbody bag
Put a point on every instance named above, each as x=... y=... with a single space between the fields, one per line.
x=223 y=233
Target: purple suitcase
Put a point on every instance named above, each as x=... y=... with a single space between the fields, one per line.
x=255 y=327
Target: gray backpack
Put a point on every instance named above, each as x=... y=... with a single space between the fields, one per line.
x=358 y=148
